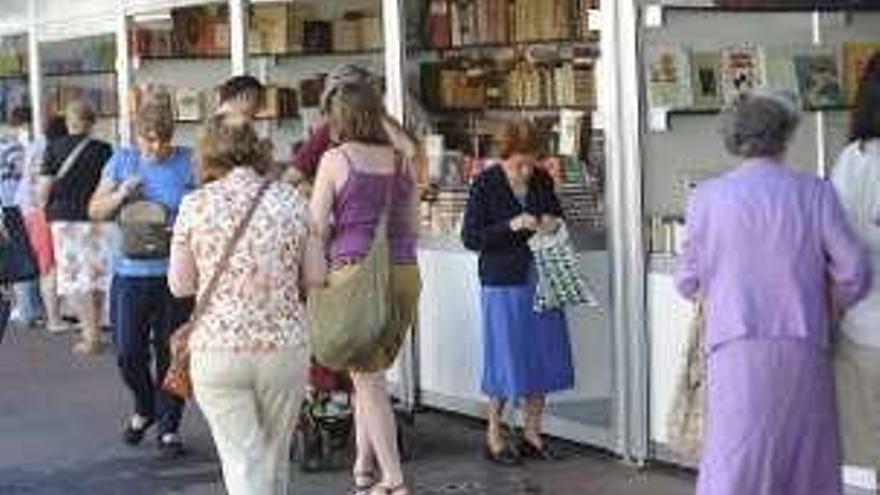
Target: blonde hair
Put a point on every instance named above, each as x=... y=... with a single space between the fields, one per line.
x=356 y=113
x=224 y=145
x=520 y=136
x=156 y=116
x=79 y=115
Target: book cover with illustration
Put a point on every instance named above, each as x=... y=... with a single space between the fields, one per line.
x=855 y=59
x=669 y=77
x=706 y=80
x=740 y=71
x=778 y=70
x=819 y=80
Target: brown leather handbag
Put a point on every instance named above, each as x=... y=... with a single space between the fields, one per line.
x=178 y=381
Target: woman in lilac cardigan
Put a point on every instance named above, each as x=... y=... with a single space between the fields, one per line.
x=765 y=247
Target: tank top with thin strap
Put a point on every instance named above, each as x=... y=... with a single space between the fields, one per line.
x=357 y=209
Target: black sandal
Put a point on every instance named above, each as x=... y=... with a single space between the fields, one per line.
x=363 y=483
x=505 y=457
x=534 y=452
x=134 y=436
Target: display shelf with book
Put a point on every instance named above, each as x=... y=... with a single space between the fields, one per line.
x=81 y=69
x=699 y=60
x=14 y=89
x=480 y=63
x=740 y=6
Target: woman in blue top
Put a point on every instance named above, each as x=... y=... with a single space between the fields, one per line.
x=143 y=312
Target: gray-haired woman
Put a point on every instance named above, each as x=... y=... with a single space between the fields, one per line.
x=765 y=245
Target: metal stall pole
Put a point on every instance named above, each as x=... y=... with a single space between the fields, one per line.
x=238 y=33
x=35 y=76
x=123 y=78
x=623 y=135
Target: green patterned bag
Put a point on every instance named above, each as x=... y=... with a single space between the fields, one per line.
x=559 y=280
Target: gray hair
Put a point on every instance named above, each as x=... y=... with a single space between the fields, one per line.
x=760 y=123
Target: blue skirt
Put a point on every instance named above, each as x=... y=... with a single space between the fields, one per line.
x=524 y=353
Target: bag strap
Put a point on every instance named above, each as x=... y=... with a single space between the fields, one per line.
x=72 y=158
x=202 y=303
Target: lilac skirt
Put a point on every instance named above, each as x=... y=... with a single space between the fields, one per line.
x=772 y=421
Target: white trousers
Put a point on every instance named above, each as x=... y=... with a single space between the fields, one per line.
x=251 y=402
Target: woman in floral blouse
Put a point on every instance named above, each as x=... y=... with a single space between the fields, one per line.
x=248 y=350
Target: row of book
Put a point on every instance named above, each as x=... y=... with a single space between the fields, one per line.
x=12 y=94
x=91 y=55
x=777 y=4
x=502 y=85
x=13 y=55
x=452 y=23
x=287 y=28
x=195 y=104
x=102 y=98
x=680 y=78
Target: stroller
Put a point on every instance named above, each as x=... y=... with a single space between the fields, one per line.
x=324 y=438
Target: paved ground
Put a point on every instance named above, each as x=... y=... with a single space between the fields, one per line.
x=60 y=417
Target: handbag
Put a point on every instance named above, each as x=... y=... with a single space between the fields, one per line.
x=360 y=318
x=19 y=263
x=686 y=416
x=177 y=380
x=559 y=282
x=145 y=232
x=144 y=226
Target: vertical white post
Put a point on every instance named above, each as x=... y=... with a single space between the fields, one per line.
x=821 y=144
x=238 y=26
x=35 y=79
x=624 y=200
x=395 y=57
x=123 y=77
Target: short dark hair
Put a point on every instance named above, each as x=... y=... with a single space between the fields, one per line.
x=20 y=116
x=56 y=127
x=866 y=113
x=241 y=86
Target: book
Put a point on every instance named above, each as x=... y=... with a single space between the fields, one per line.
x=268 y=29
x=856 y=56
x=439 y=24
x=669 y=77
x=778 y=71
x=819 y=80
x=706 y=80
x=188 y=105
x=740 y=71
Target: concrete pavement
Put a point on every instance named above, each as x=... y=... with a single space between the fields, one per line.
x=61 y=417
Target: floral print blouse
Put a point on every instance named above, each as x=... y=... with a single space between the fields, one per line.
x=257 y=305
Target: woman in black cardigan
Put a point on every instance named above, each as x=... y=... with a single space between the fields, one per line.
x=526 y=354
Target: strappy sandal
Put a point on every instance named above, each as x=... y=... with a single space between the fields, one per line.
x=381 y=489
x=363 y=483
x=88 y=347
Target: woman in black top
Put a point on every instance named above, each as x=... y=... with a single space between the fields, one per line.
x=526 y=354
x=81 y=247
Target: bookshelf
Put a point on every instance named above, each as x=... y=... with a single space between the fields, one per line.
x=475 y=67
x=778 y=6
x=14 y=90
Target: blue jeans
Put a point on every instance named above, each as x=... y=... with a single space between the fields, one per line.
x=144 y=314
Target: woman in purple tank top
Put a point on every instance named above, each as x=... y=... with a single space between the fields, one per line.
x=356 y=182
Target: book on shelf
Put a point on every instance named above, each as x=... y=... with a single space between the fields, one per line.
x=706 y=80
x=188 y=105
x=819 y=80
x=669 y=77
x=778 y=71
x=740 y=70
x=856 y=56
x=269 y=29
x=347 y=33
x=318 y=36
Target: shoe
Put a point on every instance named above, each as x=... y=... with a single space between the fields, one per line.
x=505 y=457
x=382 y=489
x=543 y=453
x=363 y=483
x=88 y=347
x=171 y=446
x=136 y=428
